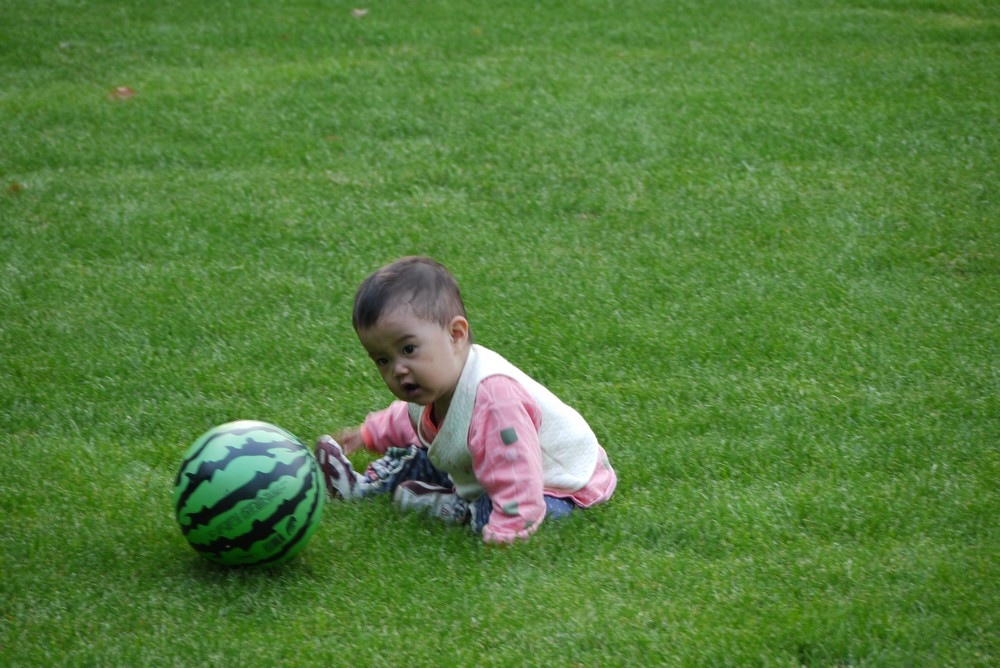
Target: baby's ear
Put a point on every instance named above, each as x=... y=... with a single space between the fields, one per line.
x=459 y=329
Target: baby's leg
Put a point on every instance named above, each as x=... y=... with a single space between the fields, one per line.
x=399 y=465
x=383 y=475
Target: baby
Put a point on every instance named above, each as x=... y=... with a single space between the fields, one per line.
x=472 y=438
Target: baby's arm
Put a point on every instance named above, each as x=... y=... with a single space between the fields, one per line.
x=388 y=428
x=350 y=439
x=507 y=458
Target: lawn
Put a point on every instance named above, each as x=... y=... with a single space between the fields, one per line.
x=756 y=243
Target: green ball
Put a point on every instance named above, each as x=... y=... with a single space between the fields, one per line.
x=248 y=493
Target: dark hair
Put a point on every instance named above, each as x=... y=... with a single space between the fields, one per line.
x=420 y=283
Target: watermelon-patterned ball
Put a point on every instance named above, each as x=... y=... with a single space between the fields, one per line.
x=248 y=493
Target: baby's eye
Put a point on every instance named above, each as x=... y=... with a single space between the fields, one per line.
x=381 y=361
x=409 y=349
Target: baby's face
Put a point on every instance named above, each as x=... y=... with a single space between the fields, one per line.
x=420 y=361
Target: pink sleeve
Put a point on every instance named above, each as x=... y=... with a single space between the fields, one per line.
x=507 y=458
x=388 y=428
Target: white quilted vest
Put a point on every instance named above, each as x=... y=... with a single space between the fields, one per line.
x=569 y=447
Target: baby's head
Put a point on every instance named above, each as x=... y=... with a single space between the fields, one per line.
x=418 y=283
x=410 y=318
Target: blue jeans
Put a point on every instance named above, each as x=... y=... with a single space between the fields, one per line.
x=555 y=508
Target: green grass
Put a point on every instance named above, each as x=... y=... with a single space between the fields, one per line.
x=756 y=243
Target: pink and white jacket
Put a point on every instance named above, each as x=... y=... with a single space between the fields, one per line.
x=507 y=436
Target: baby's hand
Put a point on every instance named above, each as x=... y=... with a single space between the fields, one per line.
x=350 y=439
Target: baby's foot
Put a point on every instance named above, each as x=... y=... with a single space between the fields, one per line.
x=341 y=478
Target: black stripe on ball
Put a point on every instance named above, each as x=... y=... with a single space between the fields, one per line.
x=238 y=431
x=263 y=529
x=251 y=489
x=301 y=534
x=206 y=470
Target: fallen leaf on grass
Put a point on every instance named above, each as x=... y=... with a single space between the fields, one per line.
x=121 y=93
x=358 y=13
x=15 y=188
